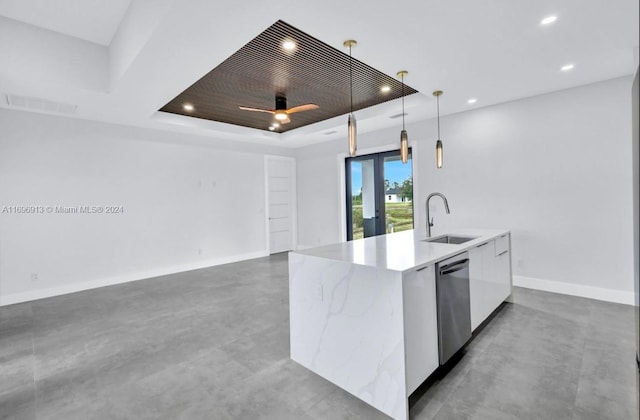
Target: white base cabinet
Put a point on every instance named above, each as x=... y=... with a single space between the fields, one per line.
x=420 y=325
x=489 y=277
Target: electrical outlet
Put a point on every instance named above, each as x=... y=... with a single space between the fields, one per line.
x=213 y=184
x=319 y=292
x=34 y=276
x=199 y=251
x=520 y=263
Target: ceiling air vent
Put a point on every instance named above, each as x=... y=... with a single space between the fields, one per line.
x=398 y=115
x=39 y=104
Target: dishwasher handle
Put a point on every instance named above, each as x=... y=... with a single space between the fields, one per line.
x=453 y=267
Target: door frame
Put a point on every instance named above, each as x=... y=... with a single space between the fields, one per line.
x=293 y=197
x=342 y=187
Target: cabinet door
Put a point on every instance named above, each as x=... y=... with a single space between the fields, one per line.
x=485 y=288
x=502 y=244
x=489 y=278
x=493 y=296
x=420 y=325
x=503 y=267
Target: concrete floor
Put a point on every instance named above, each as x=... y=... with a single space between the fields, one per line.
x=214 y=344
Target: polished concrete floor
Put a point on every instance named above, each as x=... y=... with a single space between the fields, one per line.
x=213 y=344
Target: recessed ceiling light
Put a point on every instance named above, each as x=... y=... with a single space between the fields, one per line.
x=271 y=128
x=289 y=45
x=567 y=67
x=472 y=100
x=548 y=20
x=275 y=125
x=385 y=89
x=188 y=107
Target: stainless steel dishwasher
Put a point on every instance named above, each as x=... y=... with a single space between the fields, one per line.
x=454 y=313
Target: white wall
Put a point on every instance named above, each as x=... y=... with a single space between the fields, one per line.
x=179 y=197
x=49 y=58
x=555 y=169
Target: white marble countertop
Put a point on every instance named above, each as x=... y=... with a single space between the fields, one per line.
x=402 y=251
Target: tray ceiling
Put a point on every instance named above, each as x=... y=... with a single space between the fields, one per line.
x=313 y=72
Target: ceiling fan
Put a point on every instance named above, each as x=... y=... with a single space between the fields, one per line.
x=281 y=113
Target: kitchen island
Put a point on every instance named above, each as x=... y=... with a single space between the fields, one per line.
x=363 y=313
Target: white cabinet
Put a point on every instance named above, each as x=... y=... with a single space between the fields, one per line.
x=489 y=277
x=502 y=244
x=420 y=325
x=479 y=296
x=502 y=267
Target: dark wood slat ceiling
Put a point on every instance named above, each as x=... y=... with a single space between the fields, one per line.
x=313 y=73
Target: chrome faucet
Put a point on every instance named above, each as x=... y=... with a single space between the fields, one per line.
x=446 y=207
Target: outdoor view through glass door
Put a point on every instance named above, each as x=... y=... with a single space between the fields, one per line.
x=379 y=194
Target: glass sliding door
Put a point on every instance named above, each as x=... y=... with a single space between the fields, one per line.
x=379 y=194
x=398 y=196
x=362 y=209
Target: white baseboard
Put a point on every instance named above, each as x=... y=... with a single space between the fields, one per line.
x=591 y=292
x=125 y=278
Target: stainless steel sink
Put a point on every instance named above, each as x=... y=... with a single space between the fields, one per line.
x=447 y=239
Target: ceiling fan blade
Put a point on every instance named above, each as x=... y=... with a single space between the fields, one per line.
x=245 y=108
x=307 y=107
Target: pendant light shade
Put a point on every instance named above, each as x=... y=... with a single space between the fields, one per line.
x=439 y=150
x=439 y=155
x=352 y=129
x=404 y=137
x=351 y=126
x=404 y=146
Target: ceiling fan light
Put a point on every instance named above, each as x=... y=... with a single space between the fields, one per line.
x=280 y=115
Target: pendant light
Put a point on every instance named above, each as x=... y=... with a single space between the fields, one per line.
x=351 y=127
x=404 y=138
x=439 y=151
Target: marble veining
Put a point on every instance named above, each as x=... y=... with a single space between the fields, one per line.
x=347 y=326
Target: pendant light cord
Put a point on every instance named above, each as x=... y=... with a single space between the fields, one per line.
x=351 y=78
x=402 y=78
x=438 y=107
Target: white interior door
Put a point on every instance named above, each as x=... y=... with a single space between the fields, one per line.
x=280 y=193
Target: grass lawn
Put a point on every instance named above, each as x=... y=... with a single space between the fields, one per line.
x=399 y=217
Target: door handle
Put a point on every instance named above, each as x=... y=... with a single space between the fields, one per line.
x=453 y=267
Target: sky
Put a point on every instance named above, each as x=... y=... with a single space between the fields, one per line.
x=394 y=170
